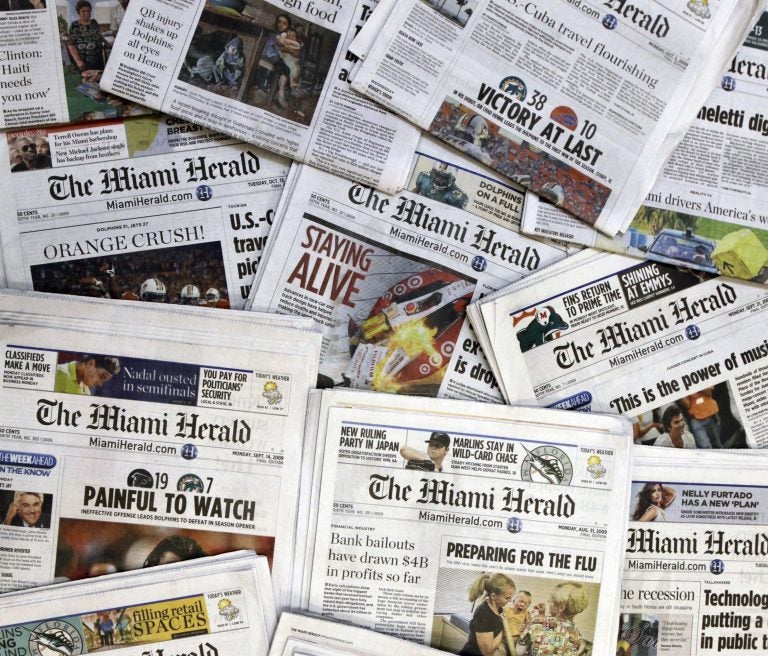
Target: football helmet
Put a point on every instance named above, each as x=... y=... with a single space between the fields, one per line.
x=212 y=295
x=153 y=291
x=441 y=176
x=190 y=295
x=472 y=128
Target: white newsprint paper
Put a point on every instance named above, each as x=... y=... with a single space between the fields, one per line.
x=706 y=210
x=658 y=344
x=515 y=498
x=303 y=635
x=270 y=73
x=580 y=101
x=150 y=208
x=205 y=607
x=123 y=446
x=52 y=58
x=695 y=580
x=389 y=277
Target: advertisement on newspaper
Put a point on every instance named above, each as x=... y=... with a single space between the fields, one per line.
x=211 y=606
x=272 y=74
x=707 y=208
x=389 y=277
x=151 y=208
x=678 y=354
x=112 y=461
x=694 y=577
x=54 y=53
x=577 y=127
x=504 y=516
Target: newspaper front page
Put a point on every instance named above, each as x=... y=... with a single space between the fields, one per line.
x=706 y=210
x=389 y=277
x=53 y=56
x=670 y=348
x=694 y=571
x=275 y=74
x=514 y=501
x=204 y=607
x=579 y=101
x=150 y=208
x=115 y=458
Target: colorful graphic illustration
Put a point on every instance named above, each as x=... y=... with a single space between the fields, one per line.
x=271 y=393
x=700 y=8
x=392 y=319
x=409 y=335
x=546 y=326
x=565 y=116
x=595 y=466
x=514 y=86
x=227 y=610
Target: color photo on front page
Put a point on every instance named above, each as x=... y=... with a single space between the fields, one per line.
x=185 y=275
x=249 y=51
x=395 y=318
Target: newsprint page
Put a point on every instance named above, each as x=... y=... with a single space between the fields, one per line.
x=52 y=58
x=149 y=208
x=695 y=567
x=706 y=210
x=210 y=607
x=303 y=635
x=683 y=357
x=275 y=74
x=579 y=101
x=514 y=498
x=118 y=451
x=389 y=277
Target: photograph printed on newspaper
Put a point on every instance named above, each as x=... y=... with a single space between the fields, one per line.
x=151 y=208
x=587 y=128
x=678 y=352
x=389 y=277
x=495 y=523
x=55 y=52
x=275 y=74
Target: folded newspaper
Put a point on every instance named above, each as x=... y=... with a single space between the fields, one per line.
x=151 y=208
x=425 y=521
x=53 y=57
x=389 y=277
x=706 y=210
x=270 y=73
x=201 y=607
x=303 y=635
x=681 y=354
x=118 y=451
x=580 y=102
x=694 y=570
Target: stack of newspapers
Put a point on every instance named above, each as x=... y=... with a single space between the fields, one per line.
x=376 y=327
